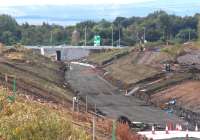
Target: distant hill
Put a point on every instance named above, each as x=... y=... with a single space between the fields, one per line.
x=71 y=14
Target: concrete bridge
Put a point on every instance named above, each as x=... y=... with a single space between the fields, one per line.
x=64 y=53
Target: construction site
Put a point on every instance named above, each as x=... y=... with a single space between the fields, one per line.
x=99 y=70
x=164 y=78
x=154 y=92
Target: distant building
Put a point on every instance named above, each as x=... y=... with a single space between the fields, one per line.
x=75 y=38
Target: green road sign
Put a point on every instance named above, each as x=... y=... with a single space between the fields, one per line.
x=97 y=40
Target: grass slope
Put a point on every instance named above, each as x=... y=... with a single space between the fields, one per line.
x=109 y=55
x=31 y=120
x=35 y=74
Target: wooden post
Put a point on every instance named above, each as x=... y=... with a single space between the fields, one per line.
x=77 y=103
x=86 y=105
x=95 y=108
x=6 y=81
x=73 y=104
x=93 y=128
x=14 y=86
x=6 y=77
x=114 y=131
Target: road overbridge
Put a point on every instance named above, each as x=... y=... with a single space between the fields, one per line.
x=64 y=52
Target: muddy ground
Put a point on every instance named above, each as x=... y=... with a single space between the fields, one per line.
x=110 y=100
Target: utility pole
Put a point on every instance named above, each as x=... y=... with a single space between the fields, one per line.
x=112 y=35
x=119 y=35
x=51 y=38
x=144 y=34
x=85 y=35
x=189 y=35
x=163 y=35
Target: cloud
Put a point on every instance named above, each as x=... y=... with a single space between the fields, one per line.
x=11 y=11
x=8 y=3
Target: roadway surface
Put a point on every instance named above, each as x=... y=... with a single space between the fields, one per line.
x=110 y=100
x=172 y=135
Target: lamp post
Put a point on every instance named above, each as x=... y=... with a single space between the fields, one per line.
x=85 y=35
x=189 y=36
x=144 y=34
x=51 y=40
x=119 y=35
x=112 y=34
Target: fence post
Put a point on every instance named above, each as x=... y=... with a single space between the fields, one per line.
x=6 y=77
x=95 y=108
x=6 y=82
x=12 y=98
x=73 y=105
x=93 y=128
x=114 y=131
x=86 y=105
x=14 y=86
x=77 y=103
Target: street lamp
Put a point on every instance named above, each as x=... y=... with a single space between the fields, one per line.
x=51 y=39
x=189 y=35
x=112 y=34
x=85 y=35
x=119 y=34
x=144 y=34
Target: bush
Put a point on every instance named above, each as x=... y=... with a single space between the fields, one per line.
x=174 y=51
x=124 y=133
x=26 y=120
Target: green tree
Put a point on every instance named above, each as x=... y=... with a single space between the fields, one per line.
x=186 y=34
x=9 y=32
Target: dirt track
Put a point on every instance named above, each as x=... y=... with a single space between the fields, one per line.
x=110 y=101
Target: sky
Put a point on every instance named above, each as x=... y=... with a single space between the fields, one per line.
x=9 y=3
x=70 y=12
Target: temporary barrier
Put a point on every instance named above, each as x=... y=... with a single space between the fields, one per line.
x=196 y=128
x=153 y=130
x=166 y=130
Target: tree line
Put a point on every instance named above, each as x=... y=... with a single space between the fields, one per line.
x=155 y=27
